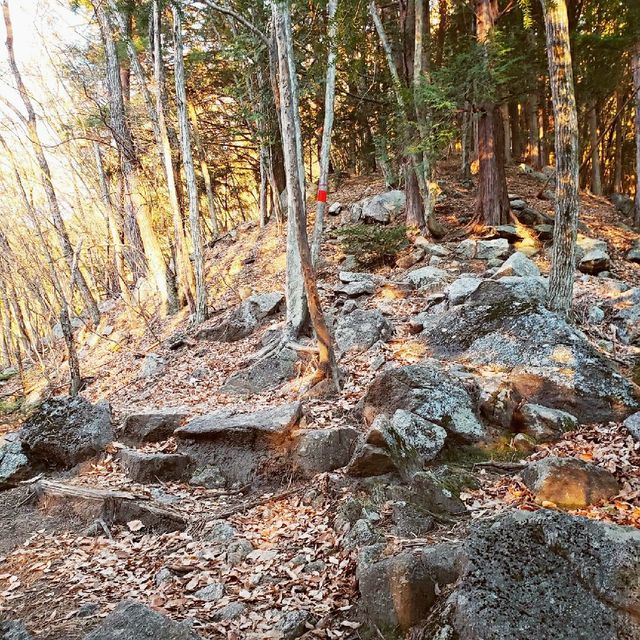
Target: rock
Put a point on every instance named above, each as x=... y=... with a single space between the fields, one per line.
x=544 y=231
x=8 y=373
x=536 y=353
x=596 y=315
x=208 y=477
x=14 y=465
x=632 y=425
x=517 y=204
x=407 y=261
x=517 y=264
x=237 y=551
x=211 y=593
x=508 y=290
x=410 y=521
x=412 y=441
x=265 y=375
x=360 y=329
x=334 y=209
x=293 y=624
x=634 y=252
x=428 y=493
x=490 y=249
x=63 y=432
x=466 y=250
x=356 y=288
x=523 y=443
x=398 y=592
x=431 y=248
x=13 y=630
x=494 y=264
x=152 y=365
x=232 y=611
x=569 y=483
x=379 y=208
x=362 y=534
x=133 y=621
x=150 y=468
x=585 y=244
x=244 y=319
x=459 y=290
x=427 y=277
x=545 y=424
x=542 y=575
x=509 y=232
x=236 y=423
x=427 y=390
x=153 y=425
x=219 y=532
x=594 y=262
x=320 y=450
x=623 y=203
x=369 y=460
x=350 y=263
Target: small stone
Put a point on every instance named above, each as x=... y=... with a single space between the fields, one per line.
x=490 y=249
x=434 y=261
x=362 y=534
x=211 y=593
x=220 y=532
x=152 y=365
x=523 y=443
x=460 y=289
x=293 y=624
x=544 y=231
x=162 y=576
x=509 y=232
x=517 y=204
x=632 y=425
x=237 y=551
x=595 y=262
x=596 y=315
x=232 y=611
x=426 y=277
x=466 y=250
x=517 y=264
x=545 y=424
x=317 y=566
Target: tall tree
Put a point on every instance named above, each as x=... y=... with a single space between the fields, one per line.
x=31 y=123
x=636 y=88
x=566 y=151
x=189 y=171
x=292 y=147
x=493 y=201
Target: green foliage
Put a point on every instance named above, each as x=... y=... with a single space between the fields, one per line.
x=373 y=244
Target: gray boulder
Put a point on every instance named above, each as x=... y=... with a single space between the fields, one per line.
x=536 y=353
x=370 y=460
x=14 y=465
x=594 y=262
x=569 y=483
x=152 y=425
x=518 y=204
x=13 y=630
x=63 y=432
x=356 y=288
x=459 y=290
x=510 y=289
x=466 y=250
x=134 y=621
x=245 y=318
x=634 y=252
x=427 y=390
x=542 y=575
x=294 y=624
x=490 y=249
x=320 y=450
x=360 y=329
x=508 y=231
x=149 y=468
x=632 y=425
x=265 y=375
x=545 y=424
x=152 y=365
x=379 y=208
x=427 y=277
x=623 y=203
x=517 y=264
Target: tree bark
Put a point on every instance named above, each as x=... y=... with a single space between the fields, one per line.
x=32 y=126
x=619 y=144
x=325 y=151
x=596 y=177
x=636 y=87
x=492 y=206
x=504 y=113
x=566 y=151
x=189 y=171
x=135 y=207
x=516 y=141
x=291 y=136
x=534 y=133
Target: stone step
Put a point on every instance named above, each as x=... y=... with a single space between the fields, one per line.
x=149 y=468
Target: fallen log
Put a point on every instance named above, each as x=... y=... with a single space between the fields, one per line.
x=106 y=505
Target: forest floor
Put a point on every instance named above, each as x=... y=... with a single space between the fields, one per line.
x=61 y=582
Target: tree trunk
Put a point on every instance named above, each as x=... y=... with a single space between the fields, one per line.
x=596 y=178
x=45 y=172
x=414 y=206
x=566 y=151
x=189 y=171
x=636 y=87
x=619 y=144
x=544 y=127
x=135 y=207
x=534 y=133
x=492 y=207
x=516 y=140
x=443 y=13
x=327 y=367
x=325 y=151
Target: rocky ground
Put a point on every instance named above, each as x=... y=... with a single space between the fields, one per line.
x=477 y=477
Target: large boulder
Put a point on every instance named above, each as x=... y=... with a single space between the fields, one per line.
x=14 y=465
x=569 y=483
x=13 y=630
x=63 y=432
x=430 y=277
x=492 y=249
x=429 y=391
x=594 y=262
x=134 y=621
x=510 y=289
x=360 y=329
x=542 y=575
x=245 y=318
x=545 y=424
x=517 y=264
x=320 y=450
x=634 y=252
x=542 y=358
x=152 y=425
x=264 y=375
x=379 y=208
